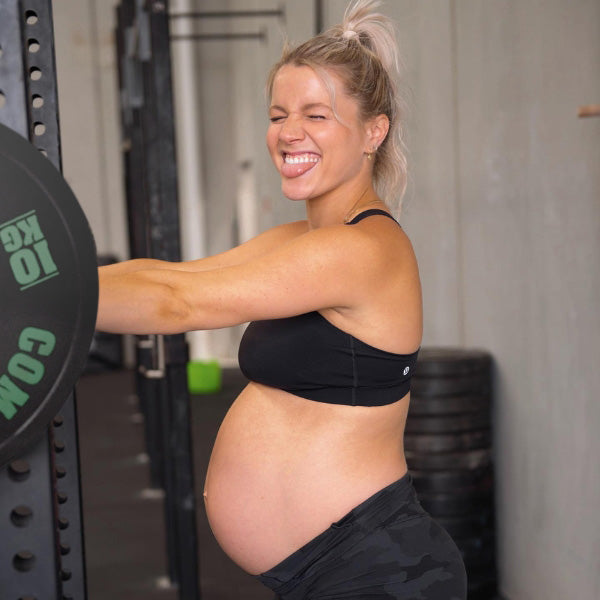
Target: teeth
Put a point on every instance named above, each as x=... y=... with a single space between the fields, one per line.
x=304 y=158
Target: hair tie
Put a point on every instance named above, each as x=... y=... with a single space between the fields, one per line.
x=349 y=34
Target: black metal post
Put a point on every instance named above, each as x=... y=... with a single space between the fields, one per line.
x=42 y=549
x=151 y=183
x=319 y=17
x=229 y=14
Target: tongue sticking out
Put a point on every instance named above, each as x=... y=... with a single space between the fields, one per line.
x=294 y=166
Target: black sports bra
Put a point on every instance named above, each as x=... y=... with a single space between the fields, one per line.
x=310 y=357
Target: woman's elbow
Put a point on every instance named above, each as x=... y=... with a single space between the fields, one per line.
x=174 y=314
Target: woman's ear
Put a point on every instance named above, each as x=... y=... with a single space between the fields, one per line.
x=377 y=129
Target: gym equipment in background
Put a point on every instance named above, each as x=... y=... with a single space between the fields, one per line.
x=448 y=445
x=52 y=292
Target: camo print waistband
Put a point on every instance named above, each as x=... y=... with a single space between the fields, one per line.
x=394 y=503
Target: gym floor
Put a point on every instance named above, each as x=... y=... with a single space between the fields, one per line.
x=123 y=519
x=124 y=527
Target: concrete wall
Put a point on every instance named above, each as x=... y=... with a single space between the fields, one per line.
x=529 y=174
x=504 y=212
x=503 y=209
x=89 y=111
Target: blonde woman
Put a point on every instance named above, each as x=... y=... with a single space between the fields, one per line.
x=307 y=486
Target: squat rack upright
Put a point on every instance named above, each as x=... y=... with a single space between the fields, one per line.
x=41 y=526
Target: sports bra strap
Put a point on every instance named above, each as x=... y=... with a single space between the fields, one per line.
x=368 y=213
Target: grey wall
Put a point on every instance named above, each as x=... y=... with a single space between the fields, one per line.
x=88 y=106
x=503 y=208
x=529 y=199
x=504 y=212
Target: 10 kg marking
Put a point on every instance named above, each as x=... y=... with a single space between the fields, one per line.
x=29 y=256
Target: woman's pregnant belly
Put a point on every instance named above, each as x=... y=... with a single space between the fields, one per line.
x=284 y=468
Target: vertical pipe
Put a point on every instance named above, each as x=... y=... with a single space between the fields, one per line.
x=189 y=155
x=460 y=262
x=319 y=17
x=244 y=77
x=246 y=202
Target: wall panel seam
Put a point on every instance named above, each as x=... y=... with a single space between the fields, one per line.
x=458 y=212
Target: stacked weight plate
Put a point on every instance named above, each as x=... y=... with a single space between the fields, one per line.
x=448 y=446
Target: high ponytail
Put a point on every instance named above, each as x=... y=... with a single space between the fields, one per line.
x=375 y=31
x=363 y=52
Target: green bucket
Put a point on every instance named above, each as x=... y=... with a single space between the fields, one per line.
x=204 y=376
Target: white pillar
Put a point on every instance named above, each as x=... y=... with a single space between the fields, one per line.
x=192 y=203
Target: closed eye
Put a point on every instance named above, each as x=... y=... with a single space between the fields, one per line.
x=276 y=119
x=317 y=117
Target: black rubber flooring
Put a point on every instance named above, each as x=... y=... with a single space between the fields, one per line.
x=123 y=523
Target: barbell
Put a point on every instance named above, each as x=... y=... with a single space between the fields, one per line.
x=49 y=297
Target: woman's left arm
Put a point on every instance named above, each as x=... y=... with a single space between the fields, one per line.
x=329 y=267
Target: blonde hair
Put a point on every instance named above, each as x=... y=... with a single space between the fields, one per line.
x=363 y=52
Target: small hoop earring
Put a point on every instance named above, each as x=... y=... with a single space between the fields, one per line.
x=373 y=150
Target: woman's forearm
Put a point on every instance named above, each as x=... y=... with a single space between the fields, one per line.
x=138 y=302
x=152 y=264
x=135 y=264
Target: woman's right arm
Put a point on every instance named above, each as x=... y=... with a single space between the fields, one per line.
x=257 y=246
x=329 y=267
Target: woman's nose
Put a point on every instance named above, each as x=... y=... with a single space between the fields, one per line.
x=291 y=129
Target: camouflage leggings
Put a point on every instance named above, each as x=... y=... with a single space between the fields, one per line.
x=387 y=547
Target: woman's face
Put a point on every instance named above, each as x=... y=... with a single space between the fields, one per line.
x=316 y=153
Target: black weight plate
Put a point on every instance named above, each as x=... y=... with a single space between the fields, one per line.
x=467 y=526
x=451 y=362
x=481 y=573
x=485 y=591
x=489 y=565
x=457 y=504
x=451 y=481
x=479 y=551
x=471 y=383
x=449 y=423
x=447 y=405
x=49 y=293
x=451 y=442
x=482 y=586
x=470 y=459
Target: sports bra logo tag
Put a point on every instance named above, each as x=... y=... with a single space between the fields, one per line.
x=406 y=370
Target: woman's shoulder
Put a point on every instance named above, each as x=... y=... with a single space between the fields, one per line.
x=270 y=240
x=383 y=233
x=291 y=229
x=276 y=236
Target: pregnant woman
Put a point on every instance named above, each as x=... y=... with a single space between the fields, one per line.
x=307 y=486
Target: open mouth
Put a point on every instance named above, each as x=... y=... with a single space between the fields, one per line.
x=299 y=159
x=298 y=163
